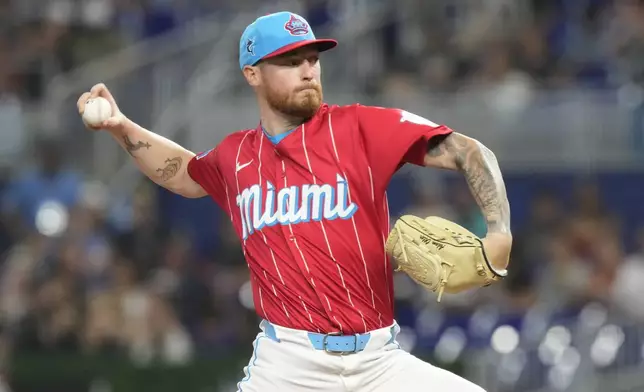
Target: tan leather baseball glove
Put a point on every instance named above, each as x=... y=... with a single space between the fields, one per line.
x=440 y=255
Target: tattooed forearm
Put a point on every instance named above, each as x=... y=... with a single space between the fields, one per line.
x=172 y=168
x=482 y=173
x=131 y=147
x=484 y=177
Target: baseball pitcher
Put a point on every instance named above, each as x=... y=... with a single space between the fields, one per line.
x=306 y=193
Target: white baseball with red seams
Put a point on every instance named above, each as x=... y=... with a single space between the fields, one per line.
x=97 y=110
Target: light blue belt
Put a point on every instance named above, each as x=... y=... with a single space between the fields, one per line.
x=332 y=342
x=340 y=344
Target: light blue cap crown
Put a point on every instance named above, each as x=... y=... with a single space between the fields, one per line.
x=275 y=34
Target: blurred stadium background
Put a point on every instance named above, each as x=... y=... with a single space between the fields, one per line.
x=110 y=284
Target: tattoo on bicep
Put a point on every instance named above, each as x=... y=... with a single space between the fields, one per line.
x=171 y=169
x=483 y=176
x=131 y=147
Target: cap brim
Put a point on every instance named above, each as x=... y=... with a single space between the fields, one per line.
x=321 y=44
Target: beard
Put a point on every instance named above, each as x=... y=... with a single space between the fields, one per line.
x=301 y=104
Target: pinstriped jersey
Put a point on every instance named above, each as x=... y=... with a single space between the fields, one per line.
x=311 y=212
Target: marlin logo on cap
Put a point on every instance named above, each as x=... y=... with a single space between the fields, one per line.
x=250 y=46
x=296 y=26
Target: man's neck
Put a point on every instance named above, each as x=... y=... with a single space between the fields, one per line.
x=275 y=123
x=278 y=125
x=273 y=129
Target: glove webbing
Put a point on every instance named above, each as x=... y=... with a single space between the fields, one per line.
x=445 y=274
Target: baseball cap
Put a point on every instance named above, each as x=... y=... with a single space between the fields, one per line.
x=275 y=34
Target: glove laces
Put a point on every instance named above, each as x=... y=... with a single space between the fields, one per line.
x=445 y=272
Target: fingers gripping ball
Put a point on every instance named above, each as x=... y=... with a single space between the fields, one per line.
x=97 y=110
x=440 y=255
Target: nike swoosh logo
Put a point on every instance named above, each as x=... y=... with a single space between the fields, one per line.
x=239 y=167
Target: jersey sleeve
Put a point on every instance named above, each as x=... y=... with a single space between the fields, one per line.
x=393 y=137
x=204 y=170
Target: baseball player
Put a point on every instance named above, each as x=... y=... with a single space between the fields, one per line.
x=306 y=193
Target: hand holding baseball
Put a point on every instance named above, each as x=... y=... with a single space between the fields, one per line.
x=98 y=110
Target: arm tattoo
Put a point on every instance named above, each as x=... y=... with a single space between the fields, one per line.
x=172 y=168
x=131 y=147
x=483 y=175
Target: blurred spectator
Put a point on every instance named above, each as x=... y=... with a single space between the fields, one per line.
x=546 y=220
x=589 y=221
x=589 y=252
x=12 y=138
x=140 y=241
x=36 y=191
x=530 y=257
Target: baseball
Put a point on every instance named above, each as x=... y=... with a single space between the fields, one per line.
x=97 y=110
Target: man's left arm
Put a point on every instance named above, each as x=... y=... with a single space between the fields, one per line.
x=483 y=175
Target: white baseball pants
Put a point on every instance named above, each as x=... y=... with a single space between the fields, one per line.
x=286 y=360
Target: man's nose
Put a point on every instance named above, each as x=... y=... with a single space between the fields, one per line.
x=307 y=71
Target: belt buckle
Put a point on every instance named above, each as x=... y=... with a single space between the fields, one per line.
x=325 y=344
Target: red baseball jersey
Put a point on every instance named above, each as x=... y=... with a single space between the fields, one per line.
x=311 y=212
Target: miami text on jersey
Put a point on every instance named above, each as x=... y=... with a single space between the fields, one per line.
x=293 y=205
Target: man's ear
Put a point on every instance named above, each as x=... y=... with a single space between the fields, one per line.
x=252 y=75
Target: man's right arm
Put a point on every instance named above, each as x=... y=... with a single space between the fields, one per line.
x=160 y=159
